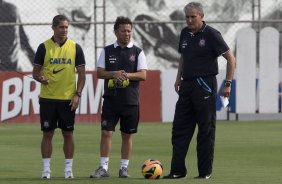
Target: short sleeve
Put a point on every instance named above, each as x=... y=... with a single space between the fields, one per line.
x=219 y=45
x=79 y=57
x=39 y=55
x=180 y=41
x=101 y=60
x=142 y=61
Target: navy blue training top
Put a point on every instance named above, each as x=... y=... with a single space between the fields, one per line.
x=117 y=58
x=200 y=51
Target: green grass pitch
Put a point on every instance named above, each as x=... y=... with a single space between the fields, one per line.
x=245 y=153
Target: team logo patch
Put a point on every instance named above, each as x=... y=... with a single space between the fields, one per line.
x=46 y=124
x=184 y=44
x=57 y=71
x=112 y=58
x=202 y=42
x=68 y=127
x=132 y=58
x=104 y=123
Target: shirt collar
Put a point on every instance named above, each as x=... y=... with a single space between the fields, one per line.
x=201 y=30
x=128 y=46
x=203 y=27
x=52 y=38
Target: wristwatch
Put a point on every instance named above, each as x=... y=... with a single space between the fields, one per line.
x=227 y=83
x=78 y=94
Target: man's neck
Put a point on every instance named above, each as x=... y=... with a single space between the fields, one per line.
x=122 y=45
x=198 y=28
x=59 y=40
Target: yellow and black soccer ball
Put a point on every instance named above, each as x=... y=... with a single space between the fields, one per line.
x=152 y=169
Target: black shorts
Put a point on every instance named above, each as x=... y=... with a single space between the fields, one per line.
x=56 y=114
x=128 y=115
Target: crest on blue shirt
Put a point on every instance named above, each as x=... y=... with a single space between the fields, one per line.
x=202 y=42
x=132 y=58
x=184 y=44
x=112 y=59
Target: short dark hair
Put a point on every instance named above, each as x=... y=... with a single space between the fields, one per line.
x=122 y=20
x=57 y=19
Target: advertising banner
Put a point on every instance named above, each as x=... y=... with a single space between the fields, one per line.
x=19 y=98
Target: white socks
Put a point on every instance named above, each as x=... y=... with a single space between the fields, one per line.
x=104 y=162
x=124 y=163
x=46 y=164
x=68 y=165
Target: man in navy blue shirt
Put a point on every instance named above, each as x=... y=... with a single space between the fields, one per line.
x=200 y=45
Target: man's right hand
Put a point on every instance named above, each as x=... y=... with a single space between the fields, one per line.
x=43 y=80
x=177 y=85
